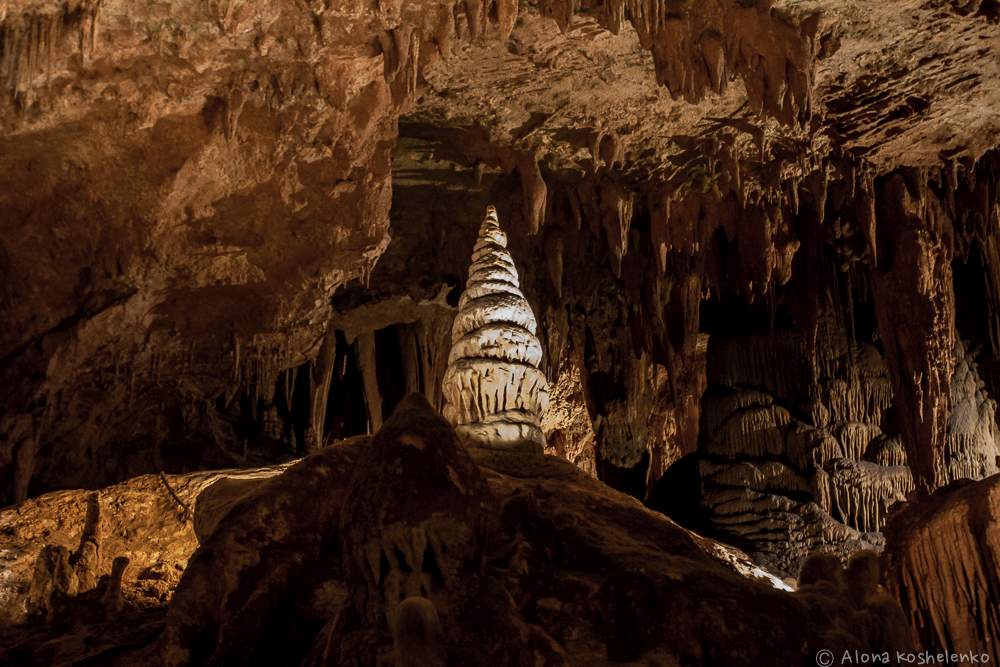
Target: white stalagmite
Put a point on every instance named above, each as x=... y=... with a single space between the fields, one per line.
x=494 y=392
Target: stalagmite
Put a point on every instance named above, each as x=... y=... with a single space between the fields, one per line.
x=494 y=392
x=86 y=559
x=111 y=597
x=320 y=376
x=417 y=634
x=616 y=217
x=53 y=582
x=554 y=251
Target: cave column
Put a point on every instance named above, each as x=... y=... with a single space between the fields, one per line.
x=320 y=377
x=915 y=311
x=365 y=347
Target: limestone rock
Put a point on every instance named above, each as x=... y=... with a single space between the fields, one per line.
x=942 y=562
x=495 y=393
x=414 y=524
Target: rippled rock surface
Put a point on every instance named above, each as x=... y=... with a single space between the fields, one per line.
x=495 y=392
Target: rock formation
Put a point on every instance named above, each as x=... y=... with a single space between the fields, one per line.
x=329 y=562
x=943 y=559
x=417 y=532
x=83 y=534
x=801 y=451
x=495 y=392
x=760 y=240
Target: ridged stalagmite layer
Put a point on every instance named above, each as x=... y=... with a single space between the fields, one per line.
x=494 y=392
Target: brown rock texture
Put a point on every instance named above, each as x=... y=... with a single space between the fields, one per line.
x=564 y=570
x=211 y=174
x=146 y=520
x=186 y=314
x=942 y=559
x=184 y=243
x=802 y=462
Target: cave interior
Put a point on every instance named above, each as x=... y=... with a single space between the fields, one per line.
x=508 y=332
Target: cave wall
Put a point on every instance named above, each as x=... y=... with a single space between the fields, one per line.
x=185 y=186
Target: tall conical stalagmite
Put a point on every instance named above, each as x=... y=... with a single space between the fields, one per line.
x=494 y=392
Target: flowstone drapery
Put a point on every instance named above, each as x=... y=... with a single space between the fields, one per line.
x=494 y=392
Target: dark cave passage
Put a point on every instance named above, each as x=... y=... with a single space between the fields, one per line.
x=346 y=406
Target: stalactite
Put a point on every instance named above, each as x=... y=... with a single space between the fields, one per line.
x=713 y=52
x=259 y=368
x=534 y=192
x=860 y=493
x=474 y=15
x=28 y=44
x=886 y=451
x=231 y=118
x=554 y=250
x=699 y=48
x=613 y=16
x=432 y=339
x=616 y=218
x=494 y=392
x=576 y=215
x=409 y=350
x=607 y=150
x=288 y=385
x=659 y=210
x=412 y=69
x=561 y=11
x=236 y=358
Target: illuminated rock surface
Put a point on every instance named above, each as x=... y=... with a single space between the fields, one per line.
x=495 y=393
